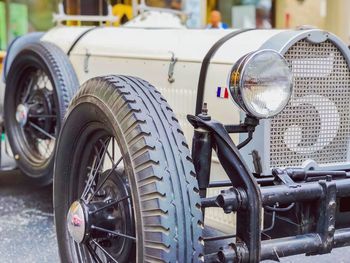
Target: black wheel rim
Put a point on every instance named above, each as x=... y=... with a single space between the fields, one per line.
x=102 y=191
x=36 y=114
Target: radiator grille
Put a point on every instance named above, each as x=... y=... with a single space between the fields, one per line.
x=316 y=123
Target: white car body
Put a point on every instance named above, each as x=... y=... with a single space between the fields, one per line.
x=149 y=54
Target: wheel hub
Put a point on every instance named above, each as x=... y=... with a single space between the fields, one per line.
x=76 y=222
x=43 y=105
x=22 y=114
x=82 y=219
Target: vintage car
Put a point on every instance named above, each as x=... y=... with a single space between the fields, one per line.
x=266 y=113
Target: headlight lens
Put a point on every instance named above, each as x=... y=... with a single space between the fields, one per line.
x=261 y=83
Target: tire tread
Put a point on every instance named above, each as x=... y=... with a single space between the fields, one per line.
x=165 y=174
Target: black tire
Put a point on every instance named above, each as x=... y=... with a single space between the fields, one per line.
x=157 y=162
x=44 y=62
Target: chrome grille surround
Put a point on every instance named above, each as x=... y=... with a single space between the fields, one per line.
x=315 y=125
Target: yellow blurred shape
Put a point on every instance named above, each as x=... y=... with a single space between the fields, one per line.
x=2 y=56
x=123 y=12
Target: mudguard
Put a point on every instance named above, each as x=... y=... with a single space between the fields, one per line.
x=16 y=46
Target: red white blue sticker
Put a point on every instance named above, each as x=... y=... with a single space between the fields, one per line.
x=222 y=92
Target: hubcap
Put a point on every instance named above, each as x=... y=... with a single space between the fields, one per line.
x=76 y=222
x=22 y=114
x=86 y=219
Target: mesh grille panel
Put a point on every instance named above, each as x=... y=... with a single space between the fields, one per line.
x=316 y=123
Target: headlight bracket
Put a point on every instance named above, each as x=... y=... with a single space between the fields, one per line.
x=249 y=125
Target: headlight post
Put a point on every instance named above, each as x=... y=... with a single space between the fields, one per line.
x=249 y=125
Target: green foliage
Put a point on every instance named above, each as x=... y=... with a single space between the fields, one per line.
x=18 y=22
x=18 y=19
x=39 y=13
x=2 y=26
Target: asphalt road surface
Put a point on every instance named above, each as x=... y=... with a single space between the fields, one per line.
x=27 y=232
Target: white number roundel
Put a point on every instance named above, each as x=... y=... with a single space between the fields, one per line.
x=330 y=122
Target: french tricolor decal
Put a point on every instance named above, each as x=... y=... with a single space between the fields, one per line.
x=222 y=93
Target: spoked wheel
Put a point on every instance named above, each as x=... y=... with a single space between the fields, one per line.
x=39 y=86
x=36 y=114
x=101 y=221
x=124 y=184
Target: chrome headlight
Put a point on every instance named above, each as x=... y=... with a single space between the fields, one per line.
x=261 y=83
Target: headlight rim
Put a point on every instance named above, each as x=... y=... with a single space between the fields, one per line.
x=235 y=87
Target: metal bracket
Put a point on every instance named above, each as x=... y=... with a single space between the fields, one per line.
x=86 y=61
x=171 y=68
x=234 y=252
x=232 y=199
x=257 y=162
x=326 y=223
x=283 y=176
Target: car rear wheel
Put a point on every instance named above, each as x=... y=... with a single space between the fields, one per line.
x=124 y=184
x=39 y=86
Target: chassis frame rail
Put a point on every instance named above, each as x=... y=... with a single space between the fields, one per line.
x=322 y=189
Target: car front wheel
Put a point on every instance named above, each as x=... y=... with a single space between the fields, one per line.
x=124 y=183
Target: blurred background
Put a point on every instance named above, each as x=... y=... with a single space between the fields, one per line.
x=17 y=17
